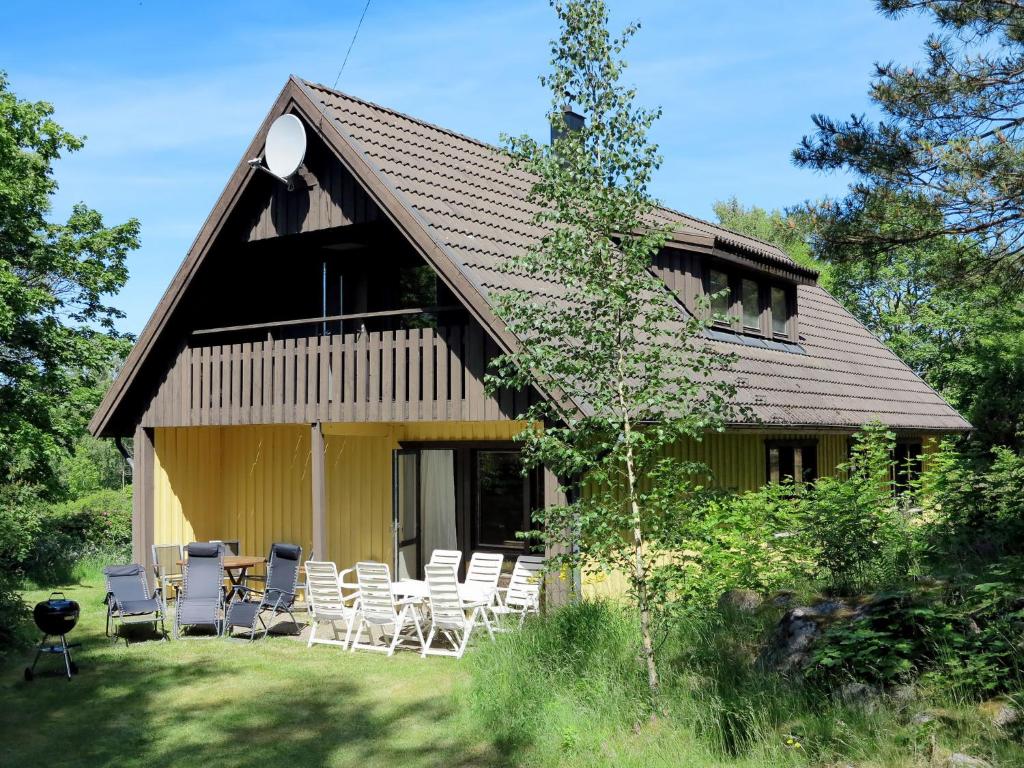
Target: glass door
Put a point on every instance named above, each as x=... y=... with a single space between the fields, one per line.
x=406 y=514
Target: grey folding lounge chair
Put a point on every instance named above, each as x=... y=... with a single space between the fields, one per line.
x=278 y=597
x=201 y=601
x=129 y=600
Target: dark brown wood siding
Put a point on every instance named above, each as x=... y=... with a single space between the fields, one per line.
x=683 y=272
x=421 y=374
x=325 y=195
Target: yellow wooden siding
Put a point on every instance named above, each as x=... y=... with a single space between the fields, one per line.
x=737 y=461
x=246 y=483
x=253 y=483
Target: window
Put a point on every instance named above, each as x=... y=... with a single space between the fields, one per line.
x=750 y=302
x=780 y=311
x=791 y=461
x=907 y=463
x=718 y=287
x=499 y=499
x=751 y=294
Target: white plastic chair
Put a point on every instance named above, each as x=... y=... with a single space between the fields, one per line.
x=449 y=557
x=522 y=595
x=483 y=574
x=326 y=603
x=377 y=608
x=448 y=613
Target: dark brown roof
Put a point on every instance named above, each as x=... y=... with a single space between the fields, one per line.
x=476 y=206
x=456 y=199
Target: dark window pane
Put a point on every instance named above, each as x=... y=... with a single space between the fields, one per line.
x=718 y=287
x=792 y=463
x=809 y=463
x=780 y=312
x=751 y=304
x=499 y=497
x=907 y=458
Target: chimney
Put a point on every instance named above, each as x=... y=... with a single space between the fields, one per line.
x=571 y=121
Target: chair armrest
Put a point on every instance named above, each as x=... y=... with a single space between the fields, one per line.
x=157 y=591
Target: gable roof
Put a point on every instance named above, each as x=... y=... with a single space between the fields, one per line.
x=458 y=202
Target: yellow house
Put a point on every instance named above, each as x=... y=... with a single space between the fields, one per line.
x=314 y=372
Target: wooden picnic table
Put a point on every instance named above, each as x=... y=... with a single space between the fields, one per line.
x=236 y=566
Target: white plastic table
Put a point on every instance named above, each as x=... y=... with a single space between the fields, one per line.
x=416 y=589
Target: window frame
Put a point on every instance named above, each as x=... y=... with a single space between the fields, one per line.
x=766 y=284
x=794 y=444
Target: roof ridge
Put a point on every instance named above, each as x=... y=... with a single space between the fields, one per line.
x=495 y=148
x=724 y=228
x=403 y=115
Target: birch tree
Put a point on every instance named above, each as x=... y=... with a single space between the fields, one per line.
x=626 y=367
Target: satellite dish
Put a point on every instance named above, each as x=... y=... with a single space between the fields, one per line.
x=286 y=146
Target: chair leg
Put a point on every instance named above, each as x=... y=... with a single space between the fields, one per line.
x=312 y=633
x=430 y=640
x=487 y=623
x=359 y=629
x=399 y=626
x=349 y=640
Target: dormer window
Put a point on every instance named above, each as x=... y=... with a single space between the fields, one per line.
x=750 y=297
x=780 y=312
x=756 y=307
x=718 y=288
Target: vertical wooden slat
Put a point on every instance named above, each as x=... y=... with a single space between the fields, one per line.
x=295 y=381
x=490 y=404
x=279 y=378
x=349 y=352
x=325 y=368
x=319 y=489
x=425 y=405
x=236 y=383
x=373 y=391
x=337 y=383
x=312 y=379
x=361 y=401
x=267 y=380
x=247 y=361
x=456 y=375
x=387 y=373
x=441 y=407
x=474 y=372
x=399 y=411
x=413 y=384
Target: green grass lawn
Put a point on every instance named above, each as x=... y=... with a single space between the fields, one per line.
x=229 y=703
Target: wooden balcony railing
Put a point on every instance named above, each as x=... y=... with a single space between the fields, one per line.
x=425 y=374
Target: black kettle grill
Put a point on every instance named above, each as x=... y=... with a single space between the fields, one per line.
x=55 y=617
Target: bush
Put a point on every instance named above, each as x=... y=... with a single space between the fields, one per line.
x=974 y=505
x=960 y=638
x=854 y=520
x=726 y=541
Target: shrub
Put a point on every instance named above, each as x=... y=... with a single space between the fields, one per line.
x=974 y=504
x=956 y=637
x=861 y=535
x=754 y=540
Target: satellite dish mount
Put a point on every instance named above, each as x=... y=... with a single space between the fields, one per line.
x=284 y=150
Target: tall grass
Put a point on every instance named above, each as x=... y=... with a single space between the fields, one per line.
x=570 y=690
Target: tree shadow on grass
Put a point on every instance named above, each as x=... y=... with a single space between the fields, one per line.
x=216 y=703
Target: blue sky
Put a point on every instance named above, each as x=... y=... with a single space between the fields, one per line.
x=169 y=94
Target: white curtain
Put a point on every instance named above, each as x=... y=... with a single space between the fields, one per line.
x=437 y=501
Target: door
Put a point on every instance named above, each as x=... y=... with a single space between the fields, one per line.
x=406 y=514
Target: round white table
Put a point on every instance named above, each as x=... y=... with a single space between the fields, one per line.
x=416 y=589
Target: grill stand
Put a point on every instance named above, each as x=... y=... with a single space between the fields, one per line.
x=64 y=649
